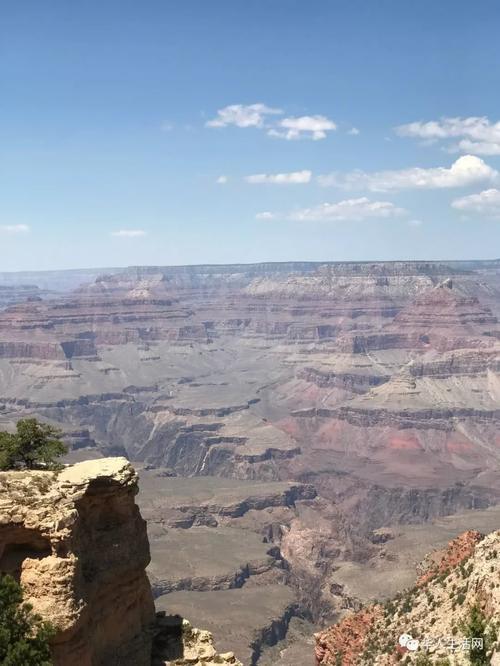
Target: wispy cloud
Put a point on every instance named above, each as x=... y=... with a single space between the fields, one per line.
x=466 y=170
x=129 y=233
x=349 y=209
x=292 y=178
x=241 y=115
x=354 y=131
x=309 y=127
x=14 y=228
x=222 y=180
x=486 y=203
x=260 y=115
x=476 y=134
x=341 y=211
x=265 y=215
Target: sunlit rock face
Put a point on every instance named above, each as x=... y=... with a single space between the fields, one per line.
x=456 y=584
x=76 y=542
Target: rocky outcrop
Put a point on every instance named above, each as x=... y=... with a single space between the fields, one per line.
x=456 y=552
x=354 y=382
x=343 y=643
x=450 y=616
x=177 y=643
x=77 y=543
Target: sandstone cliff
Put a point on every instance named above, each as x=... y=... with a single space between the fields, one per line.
x=78 y=545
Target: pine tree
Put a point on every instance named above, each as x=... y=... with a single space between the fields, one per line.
x=34 y=444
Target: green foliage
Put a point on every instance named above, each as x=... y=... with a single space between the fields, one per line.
x=24 y=637
x=407 y=605
x=474 y=627
x=33 y=445
x=423 y=660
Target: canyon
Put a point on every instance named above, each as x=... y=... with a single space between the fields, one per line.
x=293 y=425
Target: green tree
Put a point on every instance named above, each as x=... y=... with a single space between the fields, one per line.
x=24 y=637
x=474 y=627
x=33 y=445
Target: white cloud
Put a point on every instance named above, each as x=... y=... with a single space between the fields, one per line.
x=292 y=178
x=476 y=135
x=251 y=115
x=341 y=211
x=15 y=228
x=222 y=180
x=310 y=127
x=466 y=170
x=128 y=233
x=415 y=223
x=477 y=147
x=354 y=131
x=260 y=115
x=485 y=203
x=266 y=215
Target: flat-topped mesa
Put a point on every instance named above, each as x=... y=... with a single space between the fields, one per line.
x=76 y=542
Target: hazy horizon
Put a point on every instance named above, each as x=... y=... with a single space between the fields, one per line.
x=252 y=263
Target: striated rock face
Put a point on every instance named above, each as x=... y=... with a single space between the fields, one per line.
x=343 y=643
x=453 y=555
x=444 y=307
x=78 y=545
x=459 y=584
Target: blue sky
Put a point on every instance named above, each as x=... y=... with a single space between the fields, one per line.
x=187 y=131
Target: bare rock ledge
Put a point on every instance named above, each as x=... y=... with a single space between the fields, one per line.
x=77 y=543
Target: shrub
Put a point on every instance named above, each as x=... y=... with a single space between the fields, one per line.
x=474 y=627
x=24 y=637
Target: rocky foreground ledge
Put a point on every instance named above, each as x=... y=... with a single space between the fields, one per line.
x=78 y=545
x=76 y=542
